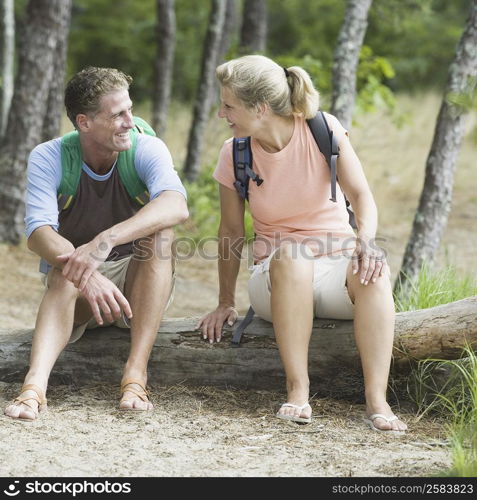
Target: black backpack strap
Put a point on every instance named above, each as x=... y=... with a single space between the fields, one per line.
x=328 y=145
x=237 y=336
x=243 y=161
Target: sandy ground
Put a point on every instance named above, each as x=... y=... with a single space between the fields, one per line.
x=194 y=432
x=204 y=432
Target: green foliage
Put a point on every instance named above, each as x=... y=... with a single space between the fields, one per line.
x=373 y=72
x=119 y=35
x=449 y=388
x=192 y=19
x=127 y=40
x=304 y=28
x=433 y=288
x=204 y=208
x=416 y=37
x=320 y=73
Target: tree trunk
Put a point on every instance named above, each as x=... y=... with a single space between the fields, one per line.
x=253 y=34
x=27 y=112
x=205 y=94
x=52 y=122
x=436 y=197
x=181 y=356
x=346 y=59
x=230 y=26
x=228 y=31
x=7 y=54
x=166 y=41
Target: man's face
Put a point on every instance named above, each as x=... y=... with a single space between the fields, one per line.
x=111 y=125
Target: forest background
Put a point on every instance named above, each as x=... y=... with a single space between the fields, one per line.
x=401 y=77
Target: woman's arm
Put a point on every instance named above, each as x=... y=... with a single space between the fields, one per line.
x=231 y=239
x=369 y=259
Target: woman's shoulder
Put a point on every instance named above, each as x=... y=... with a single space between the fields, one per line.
x=333 y=122
x=226 y=148
x=335 y=125
x=228 y=143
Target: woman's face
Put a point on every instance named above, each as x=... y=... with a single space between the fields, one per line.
x=242 y=120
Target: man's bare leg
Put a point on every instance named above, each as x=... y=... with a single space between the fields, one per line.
x=53 y=328
x=147 y=288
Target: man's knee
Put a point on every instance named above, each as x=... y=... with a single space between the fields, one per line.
x=156 y=247
x=56 y=281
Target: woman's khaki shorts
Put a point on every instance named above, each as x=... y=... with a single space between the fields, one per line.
x=116 y=272
x=331 y=299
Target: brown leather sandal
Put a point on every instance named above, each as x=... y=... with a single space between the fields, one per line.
x=142 y=394
x=39 y=398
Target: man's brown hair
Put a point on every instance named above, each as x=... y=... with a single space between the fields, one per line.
x=85 y=89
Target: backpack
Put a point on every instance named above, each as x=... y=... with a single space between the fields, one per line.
x=243 y=171
x=71 y=166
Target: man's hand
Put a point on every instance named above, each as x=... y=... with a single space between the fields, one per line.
x=105 y=297
x=369 y=260
x=83 y=261
x=212 y=324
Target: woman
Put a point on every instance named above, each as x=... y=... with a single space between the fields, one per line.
x=308 y=260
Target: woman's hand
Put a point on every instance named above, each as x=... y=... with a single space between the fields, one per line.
x=369 y=260
x=212 y=324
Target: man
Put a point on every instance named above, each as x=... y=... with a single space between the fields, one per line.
x=107 y=258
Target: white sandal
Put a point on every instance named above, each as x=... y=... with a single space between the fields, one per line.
x=293 y=418
x=370 y=422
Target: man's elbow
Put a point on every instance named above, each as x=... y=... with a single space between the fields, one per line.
x=30 y=244
x=32 y=239
x=182 y=214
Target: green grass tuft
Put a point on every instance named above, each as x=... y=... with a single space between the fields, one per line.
x=433 y=288
x=449 y=388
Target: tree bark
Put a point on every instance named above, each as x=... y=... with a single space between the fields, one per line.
x=27 y=112
x=346 y=59
x=7 y=59
x=52 y=122
x=253 y=34
x=436 y=196
x=228 y=31
x=181 y=356
x=166 y=41
x=205 y=93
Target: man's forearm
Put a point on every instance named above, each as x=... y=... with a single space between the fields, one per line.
x=167 y=210
x=48 y=244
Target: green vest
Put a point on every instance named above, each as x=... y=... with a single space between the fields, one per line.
x=72 y=161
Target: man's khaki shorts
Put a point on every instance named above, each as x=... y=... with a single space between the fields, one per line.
x=330 y=294
x=116 y=272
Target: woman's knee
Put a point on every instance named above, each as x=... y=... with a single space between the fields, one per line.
x=382 y=287
x=294 y=261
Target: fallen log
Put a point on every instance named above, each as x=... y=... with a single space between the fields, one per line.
x=181 y=356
